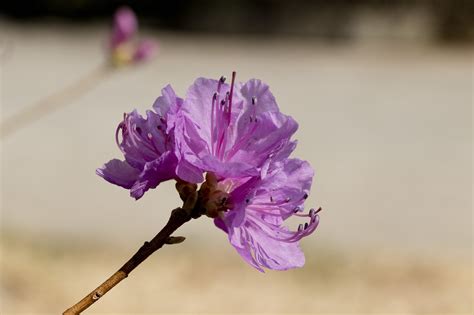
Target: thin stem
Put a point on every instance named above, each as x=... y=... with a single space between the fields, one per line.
x=54 y=101
x=178 y=217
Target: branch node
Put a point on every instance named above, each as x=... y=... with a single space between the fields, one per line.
x=175 y=240
x=97 y=295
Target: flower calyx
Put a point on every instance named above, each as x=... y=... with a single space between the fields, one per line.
x=209 y=200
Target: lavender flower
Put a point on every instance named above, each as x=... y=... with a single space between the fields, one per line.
x=145 y=50
x=231 y=130
x=236 y=135
x=125 y=26
x=254 y=224
x=148 y=147
x=124 y=47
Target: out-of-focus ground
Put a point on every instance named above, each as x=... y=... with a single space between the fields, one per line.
x=387 y=126
x=195 y=278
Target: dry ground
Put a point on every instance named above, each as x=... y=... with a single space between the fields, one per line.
x=42 y=278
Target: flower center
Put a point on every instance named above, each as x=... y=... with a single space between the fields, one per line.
x=213 y=198
x=221 y=120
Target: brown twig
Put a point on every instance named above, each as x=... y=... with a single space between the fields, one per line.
x=54 y=101
x=178 y=217
x=192 y=209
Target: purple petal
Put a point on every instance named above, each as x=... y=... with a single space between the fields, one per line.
x=292 y=173
x=285 y=188
x=255 y=223
x=218 y=222
x=227 y=169
x=277 y=159
x=168 y=105
x=198 y=105
x=271 y=135
x=188 y=172
x=154 y=173
x=246 y=253
x=255 y=91
x=237 y=139
x=143 y=139
x=119 y=173
x=261 y=250
x=148 y=146
x=168 y=101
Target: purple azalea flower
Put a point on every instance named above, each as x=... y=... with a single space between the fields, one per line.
x=236 y=134
x=260 y=206
x=231 y=130
x=123 y=44
x=148 y=147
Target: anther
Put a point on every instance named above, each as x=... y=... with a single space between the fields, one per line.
x=247 y=200
x=300 y=227
x=222 y=79
x=306 y=225
x=254 y=100
x=287 y=199
x=312 y=212
x=296 y=209
x=305 y=196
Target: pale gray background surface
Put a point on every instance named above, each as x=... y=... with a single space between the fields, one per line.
x=386 y=125
x=387 y=129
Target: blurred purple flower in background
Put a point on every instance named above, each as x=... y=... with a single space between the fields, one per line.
x=124 y=46
x=145 y=50
x=236 y=135
x=125 y=26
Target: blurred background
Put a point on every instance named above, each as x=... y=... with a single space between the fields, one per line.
x=382 y=91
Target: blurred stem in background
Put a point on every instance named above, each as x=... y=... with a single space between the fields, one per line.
x=56 y=100
x=125 y=49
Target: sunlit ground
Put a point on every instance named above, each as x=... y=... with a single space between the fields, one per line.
x=183 y=279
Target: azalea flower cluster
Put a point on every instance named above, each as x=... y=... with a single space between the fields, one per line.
x=235 y=136
x=124 y=46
